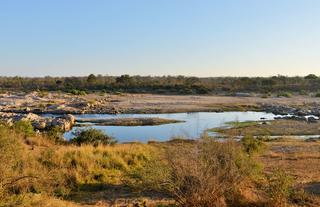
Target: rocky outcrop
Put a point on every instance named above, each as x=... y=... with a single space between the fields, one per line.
x=278 y=109
x=65 y=122
x=289 y=110
x=310 y=114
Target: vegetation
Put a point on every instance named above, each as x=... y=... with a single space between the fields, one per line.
x=279 y=187
x=208 y=173
x=92 y=136
x=37 y=170
x=251 y=145
x=24 y=127
x=166 y=84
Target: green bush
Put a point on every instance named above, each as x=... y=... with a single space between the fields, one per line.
x=55 y=134
x=92 y=136
x=77 y=92
x=24 y=127
x=317 y=95
x=284 y=94
x=251 y=145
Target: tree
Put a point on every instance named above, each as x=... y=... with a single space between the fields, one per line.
x=311 y=77
x=91 y=78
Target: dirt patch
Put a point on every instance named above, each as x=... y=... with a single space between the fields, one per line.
x=300 y=159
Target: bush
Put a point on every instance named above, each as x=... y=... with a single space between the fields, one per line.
x=251 y=145
x=24 y=127
x=77 y=92
x=92 y=136
x=55 y=134
x=206 y=173
x=279 y=187
x=209 y=173
x=284 y=94
x=317 y=95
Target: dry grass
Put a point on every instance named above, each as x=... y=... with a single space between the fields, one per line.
x=68 y=175
x=299 y=159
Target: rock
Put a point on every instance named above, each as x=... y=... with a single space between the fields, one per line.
x=27 y=109
x=64 y=123
x=301 y=112
x=39 y=124
x=70 y=118
x=30 y=117
x=241 y=94
x=312 y=119
x=115 y=110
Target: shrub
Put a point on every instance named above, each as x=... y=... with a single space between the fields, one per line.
x=92 y=136
x=206 y=173
x=24 y=127
x=77 y=92
x=279 y=187
x=251 y=145
x=55 y=134
x=317 y=95
x=209 y=173
x=284 y=94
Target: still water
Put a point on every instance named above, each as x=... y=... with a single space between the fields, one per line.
x=195 y=124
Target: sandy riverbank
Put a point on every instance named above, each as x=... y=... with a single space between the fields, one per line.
x=62 y=103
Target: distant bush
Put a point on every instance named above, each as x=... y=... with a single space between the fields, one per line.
x=92 y=136
x=163 y=84
x=77 y=92
x=311 y=77
x=284 y=94
x=317 y=95
x=266 y=95
x=303 y=92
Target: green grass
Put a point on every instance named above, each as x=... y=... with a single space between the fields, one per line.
x=243 y=124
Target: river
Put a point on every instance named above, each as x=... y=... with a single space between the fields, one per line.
x=195 y=124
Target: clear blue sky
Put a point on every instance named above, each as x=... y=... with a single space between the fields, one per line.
x=159 y=37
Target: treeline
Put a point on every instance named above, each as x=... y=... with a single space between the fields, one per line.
x=164 y=84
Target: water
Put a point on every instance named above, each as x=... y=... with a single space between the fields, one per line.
x=195 y=124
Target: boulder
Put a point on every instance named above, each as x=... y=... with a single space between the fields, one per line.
x=70 y=118
x=312 y=119
x=39 y=124
x=63 y=124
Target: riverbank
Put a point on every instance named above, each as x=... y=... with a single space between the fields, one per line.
x=269 y=128
x=103 y=103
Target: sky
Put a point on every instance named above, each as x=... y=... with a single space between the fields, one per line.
x=159 y=37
